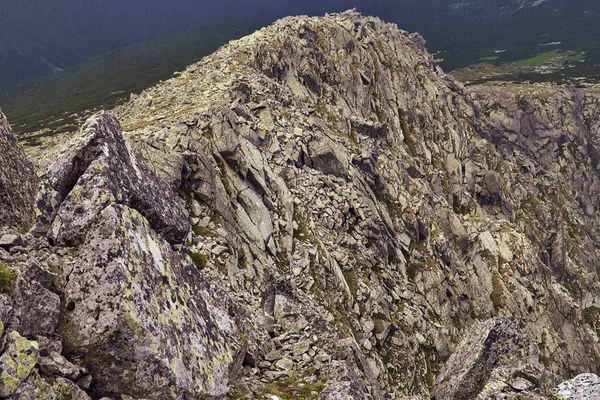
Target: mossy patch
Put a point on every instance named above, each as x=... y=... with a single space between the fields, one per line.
x=199 y=259
x=8 y=279
x=591 y=316
x=295 y=388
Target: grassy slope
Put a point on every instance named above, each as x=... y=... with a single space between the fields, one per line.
x=54 y=102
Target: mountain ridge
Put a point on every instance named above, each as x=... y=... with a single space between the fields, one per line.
x=360 y=223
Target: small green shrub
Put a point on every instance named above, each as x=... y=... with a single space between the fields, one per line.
x=8 y=279
x=199 y=260
x=591 y=316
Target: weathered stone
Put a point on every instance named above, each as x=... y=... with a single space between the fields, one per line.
x=584 y=386
x=56 y=365
x=9 y=240
x=128 y=280
x=327 y=157
x=18 y=181
x=285 y=364
x=97 y=168
x=16 y=363
x=36 y=309
x=494 y=351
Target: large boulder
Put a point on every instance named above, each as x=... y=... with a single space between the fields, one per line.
x=137 y=313
x=98 y=168
x=18 y=181
x=495 y=360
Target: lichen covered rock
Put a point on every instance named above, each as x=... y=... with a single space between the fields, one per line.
x=137 y=313
x=18 y=181
x=98 y=168
x=496 y=360
x=16 y=363
x=584 y=386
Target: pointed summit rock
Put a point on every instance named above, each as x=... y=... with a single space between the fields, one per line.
x=18 y=181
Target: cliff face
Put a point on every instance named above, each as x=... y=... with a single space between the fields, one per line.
x=17 y=180
x=316 y=211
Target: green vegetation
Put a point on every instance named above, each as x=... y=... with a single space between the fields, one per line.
x=199 y=260
x=64 y=393
x=53 y=101
x=591 y=316
x=8 y=279
x=539 y=60
x=295 y=388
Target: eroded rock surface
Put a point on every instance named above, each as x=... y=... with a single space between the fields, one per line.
x=584 y=386
x=496 y=360
x=18 y=182
x=316 y=211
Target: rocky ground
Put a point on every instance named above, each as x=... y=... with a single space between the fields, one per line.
x=314 y=211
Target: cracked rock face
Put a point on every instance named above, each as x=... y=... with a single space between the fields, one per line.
x=137 y=313
x=495 y=359
x=315 y=211
x=96 y=169
x=18 y=182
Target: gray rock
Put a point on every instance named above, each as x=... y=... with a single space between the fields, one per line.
x=18 y=181
x=56 y=365
x=97 y=168
x=495 y=352
x=285 y=364
x=16 y=363
x=122 y=265
x=36 y=309
x=326 y=156
x=584 y=386
x=9 y=240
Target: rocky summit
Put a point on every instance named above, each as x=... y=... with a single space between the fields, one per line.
x=315 y=211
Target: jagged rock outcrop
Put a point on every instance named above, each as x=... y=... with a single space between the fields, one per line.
x=347 y=213
x=132 y=309
x=494 y=361
x=388 y=198
x=18 y=182
x=96 y=170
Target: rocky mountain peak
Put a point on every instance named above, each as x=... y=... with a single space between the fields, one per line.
x=313 y=211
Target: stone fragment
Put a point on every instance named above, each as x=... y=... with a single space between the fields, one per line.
x=285 y=364
x=16 y=363
x=56 y=365
x=493 y=353
x=326 y=156
x=9 y=240
x=36 y=309
x=584 y=386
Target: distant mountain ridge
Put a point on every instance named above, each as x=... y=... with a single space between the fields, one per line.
x=37 y=38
